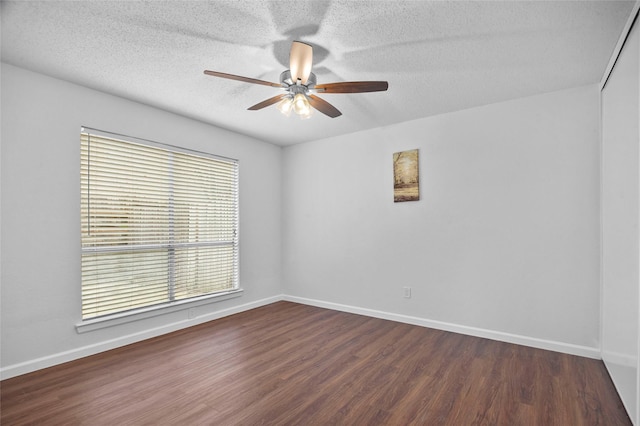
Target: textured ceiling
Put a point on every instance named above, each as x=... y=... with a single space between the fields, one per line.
x=437 y=56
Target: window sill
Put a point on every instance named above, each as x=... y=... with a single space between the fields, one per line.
x=153 y=311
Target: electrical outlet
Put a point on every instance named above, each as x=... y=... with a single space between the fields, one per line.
x=407 y=292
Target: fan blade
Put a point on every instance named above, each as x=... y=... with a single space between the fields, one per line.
x=353 y=87
x=323 y=106
x=300 y=61
x=240 y=78
x=268 y=102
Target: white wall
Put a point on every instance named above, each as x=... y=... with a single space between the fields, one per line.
x=503 y=243
x=620 y=231
x=41 y=119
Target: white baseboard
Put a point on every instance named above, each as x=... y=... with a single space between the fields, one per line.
x=62 y=357
x=568 y=348
x=623 y=360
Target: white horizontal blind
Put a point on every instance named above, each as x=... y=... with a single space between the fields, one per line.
x=158 y=225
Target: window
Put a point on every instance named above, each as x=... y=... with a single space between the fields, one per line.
x=159 y=224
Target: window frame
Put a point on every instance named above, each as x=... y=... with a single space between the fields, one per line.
x=172 y=305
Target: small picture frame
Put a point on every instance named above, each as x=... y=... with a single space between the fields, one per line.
x=406 y=176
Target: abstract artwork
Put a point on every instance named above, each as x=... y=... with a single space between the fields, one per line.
x=406 y=177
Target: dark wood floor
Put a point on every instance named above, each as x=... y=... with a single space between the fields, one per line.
x=291 y=364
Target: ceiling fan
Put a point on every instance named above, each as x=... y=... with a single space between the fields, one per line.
x=300 y=86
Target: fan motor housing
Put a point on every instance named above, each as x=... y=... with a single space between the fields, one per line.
x=292 y=87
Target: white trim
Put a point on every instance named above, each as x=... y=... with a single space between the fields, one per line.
x=154 y=311
x=568 y=348
x=73 y=354
x=59 y=358
x=619 y=45
x=624 y=360
x=612 y=359
x=601 y=220
x=636 y=421
x=611 y=370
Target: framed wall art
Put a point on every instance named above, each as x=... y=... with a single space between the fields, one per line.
x=406 y=176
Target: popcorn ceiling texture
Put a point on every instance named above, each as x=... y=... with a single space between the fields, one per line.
x=437 y=56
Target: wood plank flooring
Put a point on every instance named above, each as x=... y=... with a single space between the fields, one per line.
x=291 y=364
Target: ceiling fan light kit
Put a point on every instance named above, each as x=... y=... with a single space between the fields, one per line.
x=296 y=99
x=300 y=86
